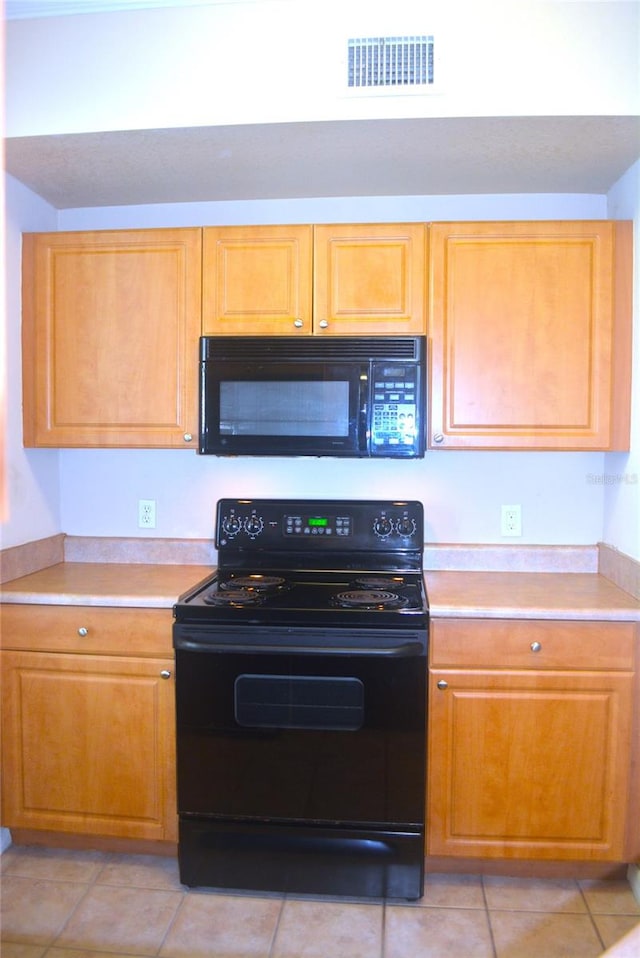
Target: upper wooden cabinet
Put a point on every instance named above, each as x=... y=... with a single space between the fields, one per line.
x=370 y=279
x=256 y=280
x=530 y=327
x=111 y=321
x=340 y=280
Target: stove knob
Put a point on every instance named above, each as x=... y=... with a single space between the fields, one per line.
x=253 y=525
x=231 y=525
x=383 y=527
x=406 y=526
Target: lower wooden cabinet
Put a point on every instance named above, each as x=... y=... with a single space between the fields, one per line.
x=88 y=739
x=530 y=739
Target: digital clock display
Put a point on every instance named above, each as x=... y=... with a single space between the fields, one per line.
x=318 y=522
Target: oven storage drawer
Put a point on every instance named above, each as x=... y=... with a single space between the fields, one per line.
x=301 y=859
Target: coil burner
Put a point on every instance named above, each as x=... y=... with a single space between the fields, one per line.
x=235 y=598
x=254 y=583
x=369 y=599
x=387 y=583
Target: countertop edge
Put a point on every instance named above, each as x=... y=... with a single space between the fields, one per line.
x=598 y=614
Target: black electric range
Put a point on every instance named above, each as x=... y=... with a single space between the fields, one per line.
x=301 y=700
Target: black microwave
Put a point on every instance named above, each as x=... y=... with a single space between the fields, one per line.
x=292 y=396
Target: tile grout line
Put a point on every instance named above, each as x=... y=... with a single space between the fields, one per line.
x=591 y=917
x=88 y=886
x=383 y=927
x=488 y=914
x=277 y=928
x=173 y=921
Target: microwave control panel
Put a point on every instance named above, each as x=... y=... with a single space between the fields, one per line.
x=395 y=416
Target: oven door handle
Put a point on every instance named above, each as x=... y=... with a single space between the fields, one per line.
x=404 y=650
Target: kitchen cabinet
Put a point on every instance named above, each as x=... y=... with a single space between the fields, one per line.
x=530 y=328
x=111 y=321
x=256 y=280
x=88 y=721
x=530 y=738
x=338 y=280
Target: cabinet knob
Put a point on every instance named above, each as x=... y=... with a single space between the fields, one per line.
x=82 y=631
x=536 y=646
x=438 y=437
x=188 y=437
x=298 y=323
x=165 y=674
x=443 y=684
x=324 y=323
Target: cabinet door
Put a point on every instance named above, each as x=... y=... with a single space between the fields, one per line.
x=88 y=745
x=529 y=765
x=257 y=281
x=110 y=338
x=369 y=279
x=530 y=328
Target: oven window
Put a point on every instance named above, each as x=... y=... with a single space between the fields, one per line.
x=299 y=701
x=311 y=408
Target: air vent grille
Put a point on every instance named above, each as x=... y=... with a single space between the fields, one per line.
x=390 y=62
x=310 y=349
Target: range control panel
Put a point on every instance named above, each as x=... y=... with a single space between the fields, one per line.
x=339 y=525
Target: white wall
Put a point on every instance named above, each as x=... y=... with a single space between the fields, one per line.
x=33 y=487
x=283 y=60
x=622 y=470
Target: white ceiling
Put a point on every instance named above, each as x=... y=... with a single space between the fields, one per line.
x=402 y=157
x=23 y=9
x=341 y=158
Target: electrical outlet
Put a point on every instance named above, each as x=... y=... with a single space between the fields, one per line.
x=147 y=513
x=511 y=524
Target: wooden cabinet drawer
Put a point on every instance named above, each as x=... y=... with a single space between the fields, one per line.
x=109 y=631
x=531 y=644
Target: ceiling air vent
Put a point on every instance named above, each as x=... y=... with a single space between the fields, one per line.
x=390 y=63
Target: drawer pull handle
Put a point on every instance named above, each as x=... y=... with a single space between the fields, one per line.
x=443 y=684
x=536 y=646
x=188 y=437
x=82 y=631
x=324 y=324
x=165 y=674
x=438 y=437
x=298 y=323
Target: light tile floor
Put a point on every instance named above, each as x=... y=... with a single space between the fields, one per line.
x=72 y=904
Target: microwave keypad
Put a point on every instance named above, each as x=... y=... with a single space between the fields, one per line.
x=394 y=412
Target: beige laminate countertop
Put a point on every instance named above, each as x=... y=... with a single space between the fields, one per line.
x=131 y=585
x=529 y=595
x=534 y=595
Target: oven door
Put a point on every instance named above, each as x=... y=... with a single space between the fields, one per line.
x=332 y=738
x=283 y=408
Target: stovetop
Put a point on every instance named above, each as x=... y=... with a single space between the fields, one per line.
x=327 y=598
x=329 y=563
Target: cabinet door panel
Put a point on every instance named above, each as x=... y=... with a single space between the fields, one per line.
x=528 y=323
x=111 y=325
x=88 y=745
x=369 y=279
x=257 y=281
x=529 y=766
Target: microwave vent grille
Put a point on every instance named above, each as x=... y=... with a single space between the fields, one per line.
x=339 y=348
